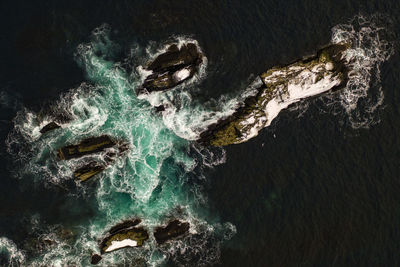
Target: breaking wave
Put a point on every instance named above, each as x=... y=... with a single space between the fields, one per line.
x=161 y=176
x=372 y=44
x=10 y=253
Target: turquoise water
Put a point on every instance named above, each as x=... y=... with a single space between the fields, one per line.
x=162 y=176
x=159 y=178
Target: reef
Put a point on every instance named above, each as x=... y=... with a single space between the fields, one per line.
x=281 y=86
x=124 y=235
x=172 y=68
x=173 y=230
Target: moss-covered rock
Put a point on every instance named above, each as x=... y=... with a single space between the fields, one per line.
x=88 y=171
x=281 y=86
x=171 y=68
x=124 y=235
x=85 y=147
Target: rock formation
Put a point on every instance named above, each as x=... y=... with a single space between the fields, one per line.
x=92 y=145
x=171 y=68
x=88 y=171
x=281 y=87
x=174 y=229
x=85 y=147
x=48 y=127
x=124 y=235
x=95 y=259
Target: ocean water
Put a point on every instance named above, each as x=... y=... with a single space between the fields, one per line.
x=318 y=187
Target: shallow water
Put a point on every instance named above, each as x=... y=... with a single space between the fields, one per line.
x=320 y=186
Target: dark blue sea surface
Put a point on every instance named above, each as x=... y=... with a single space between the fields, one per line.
x=319 y=187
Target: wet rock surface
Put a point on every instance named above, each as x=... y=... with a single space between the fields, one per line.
x=281 y=86
x=88 y=171
x=113 y=150
x=122 y=236
x=171 y=68
x=49 y=127
x=95 y=259
x=124 y=225
x=174 y=229
x=85 y=147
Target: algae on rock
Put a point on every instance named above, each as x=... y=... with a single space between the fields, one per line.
x=123 y=235
x=282 y=86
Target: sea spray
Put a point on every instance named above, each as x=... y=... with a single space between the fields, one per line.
x=8 y=250
x=160 y=177
x=349 y=65
x=372 y=44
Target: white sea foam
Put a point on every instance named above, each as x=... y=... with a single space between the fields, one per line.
x=361 y=96
x=148 y=182
x=372 y=44
x=15 y=256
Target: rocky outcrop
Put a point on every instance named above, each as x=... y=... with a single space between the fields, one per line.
x=49 y=127
x=124 y=235
x=171 y=68
x=85 y=147
x=112 y=149
x=95 y=259
x=124 y=225
x=281 y=86
x=174 y=229
x=88 y=171
x=129 y=234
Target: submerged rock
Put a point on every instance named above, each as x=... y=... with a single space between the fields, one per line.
x=281 y=87
x=48 y=239
x=124 y=235
x=174 y=229
x=171 y=68
x=48 y=127
x=85 y=147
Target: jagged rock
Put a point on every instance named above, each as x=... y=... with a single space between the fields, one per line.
x=92 y=168
x=95 y=259
x=171 y=68
x=86 y=147
x=124 y=225
x=160 y=108
x=88 y=171
x=174 y=229
x=281 y=87
x=48 y=127
x=124 y=235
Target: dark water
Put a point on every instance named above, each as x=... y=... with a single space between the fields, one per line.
x=308 y=191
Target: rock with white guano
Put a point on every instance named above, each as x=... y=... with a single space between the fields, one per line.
x=281 y=86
